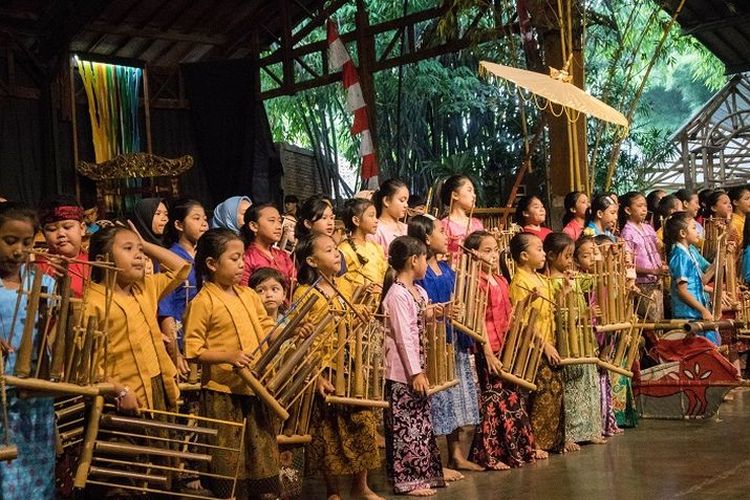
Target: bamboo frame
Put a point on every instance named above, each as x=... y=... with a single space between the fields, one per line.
x=575 y=340
x=521 y=353
x=440 y=355
x=469 y=297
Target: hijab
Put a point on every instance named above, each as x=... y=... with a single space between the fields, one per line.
x=225 y=213
x=144 y=216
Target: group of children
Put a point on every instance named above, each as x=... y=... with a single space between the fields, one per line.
x=186 y=294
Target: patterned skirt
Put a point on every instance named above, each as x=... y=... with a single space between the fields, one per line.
x=344 y=439
x=32 y=473
x=583 y=418
x=547 y=417
x=259 y=464
x=458 y=406
x=623 y=402
x=609 y=422
x=504 y=434
x=412 y=455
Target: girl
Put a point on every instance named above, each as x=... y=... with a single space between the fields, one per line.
x=344 y=438
x=547 y=419
x=150 y=217
x=272 y=288
x=586 y=253
x=530 y=215
x=458 y=197
x=740 y=197
x=718 y=206
x=691 y=204
x=187 y=224
x=230 y=213
x=413 y=458
x=224 y=324
x=602 y=216
x=583 y=422
x=137 y=361
x=688 y=270
x=391 y=203
x=458 y=406
x=315 y=216
x=365 y=260
x=261 y=230
x=576 y=204
x=652 y=201
x=642 y=241
x=503 y=438
x=668 y=205
x=31 y=420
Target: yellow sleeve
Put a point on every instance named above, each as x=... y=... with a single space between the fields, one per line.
x=197 y=320
x=167 y=281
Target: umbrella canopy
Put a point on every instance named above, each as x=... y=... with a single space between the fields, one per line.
x=556 y=89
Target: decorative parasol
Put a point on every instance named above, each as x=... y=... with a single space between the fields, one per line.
x=555 y=89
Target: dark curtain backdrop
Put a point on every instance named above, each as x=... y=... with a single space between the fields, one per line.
x=22 y=167
x=231 y=134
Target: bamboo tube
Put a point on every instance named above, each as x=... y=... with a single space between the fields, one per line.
x=441 y=341
x=86 y=352
x=451 y=353
x=522 y=356
x=701 y=326
x=61 y=330
x=26 y=348
x=291 y=391
x=37 y=385
x=115 y=420
x=87 y=452
x=622 y=342
x=134 y=450
x=128 y=475
x=510 y=342
x=359 y=376
x=471 y=289
x=612 y=327
x=247 y=376
x=8 y=453
x=341 y=342
x=286 y=369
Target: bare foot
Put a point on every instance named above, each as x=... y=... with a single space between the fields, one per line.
x=499 y=466
x=422 y=492
x=451 y=476
x=541 y=455
x=334 y=496
x=381 y=441
x=571 y=446
x=366 y=494
x=598 y=440
x=460 y=463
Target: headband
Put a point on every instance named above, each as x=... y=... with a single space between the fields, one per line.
x=62 y=213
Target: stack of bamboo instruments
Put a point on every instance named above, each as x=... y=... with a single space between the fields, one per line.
x=576 y=343
x=142 y=454
x=743 y=314
x=503 y=237
x=440 y=363
x=618 y=326
x=469 y=297
x=523 y=347
x=713 y=229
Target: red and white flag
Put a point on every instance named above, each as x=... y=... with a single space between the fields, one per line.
x=338 y=59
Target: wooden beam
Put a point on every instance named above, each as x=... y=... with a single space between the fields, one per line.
x=717 y=24
x=153 y=33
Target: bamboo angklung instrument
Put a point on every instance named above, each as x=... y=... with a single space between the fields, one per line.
x=469 y=297
x=143 y=453
x=719 y=274
x=440 y=356
x=575 y=334
x=523 y=347
x=618 y=327
x=8 y=451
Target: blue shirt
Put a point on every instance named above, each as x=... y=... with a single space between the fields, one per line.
x=746 y=264
x=174 y=304
x=592 y=225
x=687 y=265
x=439 y=289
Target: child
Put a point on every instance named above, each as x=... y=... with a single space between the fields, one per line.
x=413 y=458
x=668 y=205
x=137 y=361
x=315 y=216
x=150 y=217
x=583 y=422
x=262 y=229
x=458 y=198
x=504 y=438
x=344 y=438
x=602 y=216
x=718 y=206
x=652 y=201
x=740 y=197
x=691 y=204
x=687 y=268
x=547 y=419
x=31 y=419
x=391 y=203
x=63 y=228
x=458 y=406
x=187 y=223
x=272 y=288
x=365 y=260
x=230 y=213
x=530 y=215
x=642 y=241
x=576 y=205
x=224 y=324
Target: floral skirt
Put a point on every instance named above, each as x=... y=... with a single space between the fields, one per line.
x=412 y=455
x=458 y=406
x=609 y=422
x=623 y=402
x=583 y=418
x=547 y=417
x=504 y=434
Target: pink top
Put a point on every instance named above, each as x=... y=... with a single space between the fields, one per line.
x=255 y=258
x=542 y=232
x=574 y=229
x=457 y=233
x=384 y=235
x=642 y=241
x=497 y=315
x=405 y=329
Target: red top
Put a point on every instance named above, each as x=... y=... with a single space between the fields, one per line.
x=542 y=232
x=79 y=273
x=574 y=229
x=255 y=258
x=497 y=315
